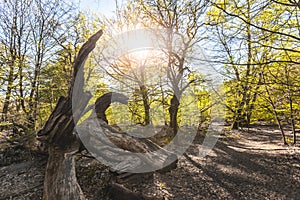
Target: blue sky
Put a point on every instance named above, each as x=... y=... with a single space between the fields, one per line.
x=106 y=7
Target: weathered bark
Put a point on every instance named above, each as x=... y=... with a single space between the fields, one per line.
x=60 y=180
x=99 y=136
x=103 y=102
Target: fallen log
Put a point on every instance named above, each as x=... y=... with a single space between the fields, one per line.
x=116 y=148
x=120 y=151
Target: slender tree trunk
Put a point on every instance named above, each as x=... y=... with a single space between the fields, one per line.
x=237 y=119
x=277 y=118
x=33 y=88
x=8 y=92
x=254 y=98
x=145 y=97
x=241 y=117
x=173 y=111
x=145 y=104
x=290 y=100
x=274 y=110
x=21 y=91
x=12 y=58
x=292 y=117
x=280 y=127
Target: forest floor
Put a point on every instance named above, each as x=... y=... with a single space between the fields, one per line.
x=245 y=164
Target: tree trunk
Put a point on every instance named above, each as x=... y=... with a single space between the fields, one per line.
x=60 y=180
x=236 y=123
x=280 y=128
x=146 y=104
x=103 y=102
x=8 y=92
x=173 y=111
x=274 y=111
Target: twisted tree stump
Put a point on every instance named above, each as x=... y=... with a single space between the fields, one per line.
x=60 y=178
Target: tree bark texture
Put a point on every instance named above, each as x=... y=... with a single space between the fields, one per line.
x=60 y=178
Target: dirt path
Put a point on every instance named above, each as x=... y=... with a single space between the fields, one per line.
x=244 y=165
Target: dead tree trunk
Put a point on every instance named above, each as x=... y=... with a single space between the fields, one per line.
x=60 y=178
x=103 y=102
x=101 y=141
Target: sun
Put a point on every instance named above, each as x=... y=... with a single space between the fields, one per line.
x=140 y=55
x=137 y=42
x=133 y=49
